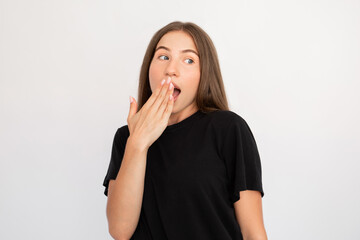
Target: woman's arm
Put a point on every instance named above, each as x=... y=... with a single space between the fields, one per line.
x=125 y=194
x=248 y=211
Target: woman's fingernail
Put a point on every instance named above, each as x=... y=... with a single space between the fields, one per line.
x=168 y=80
x=131 y=99
x=171 y=86
x=171 y=96
x=162 y=82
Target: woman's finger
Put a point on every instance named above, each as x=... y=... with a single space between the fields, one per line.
x=163 y=93
x=169 y=107
x=153 y=96
x=133 y=107
x=164 y=103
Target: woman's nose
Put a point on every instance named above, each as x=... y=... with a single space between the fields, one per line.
x=172 y=68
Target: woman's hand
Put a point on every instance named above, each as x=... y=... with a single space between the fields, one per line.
x=147 y=125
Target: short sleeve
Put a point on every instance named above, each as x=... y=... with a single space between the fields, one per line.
x=118 y=148
x=242 y=159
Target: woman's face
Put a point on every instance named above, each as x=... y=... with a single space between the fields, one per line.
x=176 y=56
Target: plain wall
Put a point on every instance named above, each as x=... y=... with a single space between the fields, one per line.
x=67 y=68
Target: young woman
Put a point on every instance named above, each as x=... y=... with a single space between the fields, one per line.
x=185 y=167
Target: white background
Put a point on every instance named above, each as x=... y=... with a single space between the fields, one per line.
x=67 y=68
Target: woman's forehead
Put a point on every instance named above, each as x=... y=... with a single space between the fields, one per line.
x=177 y=40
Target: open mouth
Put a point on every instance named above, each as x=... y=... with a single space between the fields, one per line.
x=176 y=93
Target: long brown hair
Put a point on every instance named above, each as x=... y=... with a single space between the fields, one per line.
x=211 y=94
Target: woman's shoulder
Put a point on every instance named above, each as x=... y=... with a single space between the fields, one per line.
x=230 y=125
x=225 y=118
x=122 y=133
x=124 y=128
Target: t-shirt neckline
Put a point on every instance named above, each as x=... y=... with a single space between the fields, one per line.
x=182 y=123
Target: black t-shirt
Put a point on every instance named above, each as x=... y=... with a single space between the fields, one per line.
x=194 y=172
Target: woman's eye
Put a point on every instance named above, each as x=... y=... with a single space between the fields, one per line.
x=162 y=56
x=190 y=60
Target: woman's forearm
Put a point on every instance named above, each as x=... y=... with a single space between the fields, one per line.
x=125 y=194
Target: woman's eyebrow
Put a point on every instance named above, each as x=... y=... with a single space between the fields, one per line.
x=183 y=51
